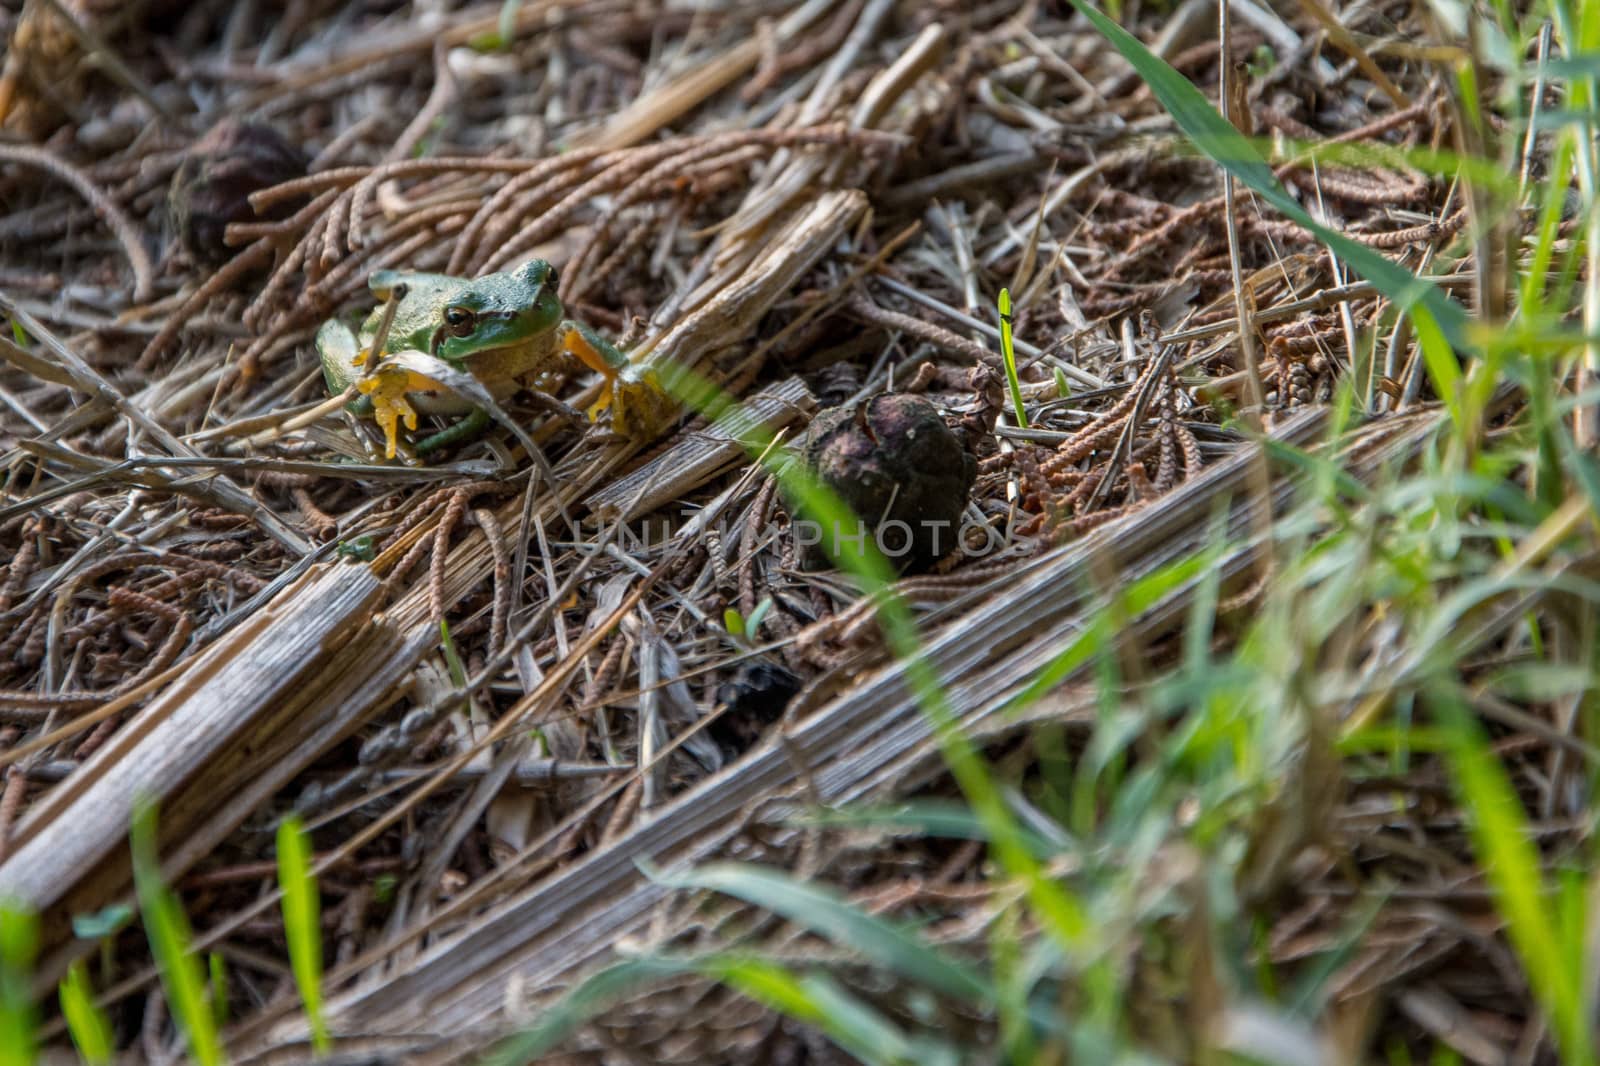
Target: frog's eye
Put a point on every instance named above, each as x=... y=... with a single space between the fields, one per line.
x=552 y=280
x=460 y=321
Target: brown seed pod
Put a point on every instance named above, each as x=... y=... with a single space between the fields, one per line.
x=212 y=186
x=901 y=470
x=756 y=696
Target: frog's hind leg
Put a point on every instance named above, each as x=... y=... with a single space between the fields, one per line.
x=341 y=357
x=469 y=428
x=472 y=426
x=593 y=350
x=339 y=352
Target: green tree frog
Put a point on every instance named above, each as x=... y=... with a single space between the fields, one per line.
x=504 y=329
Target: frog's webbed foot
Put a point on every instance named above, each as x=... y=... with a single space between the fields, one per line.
x=601 y=404
x=640 y=407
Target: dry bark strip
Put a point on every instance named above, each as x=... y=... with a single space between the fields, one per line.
x=704 y=79
x=231 y=703
x=870 y=740
x=315 y=664
x=696 y=458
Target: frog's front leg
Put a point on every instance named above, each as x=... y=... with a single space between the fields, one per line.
x=596 y=353
x=640 y=406
x=387 y=391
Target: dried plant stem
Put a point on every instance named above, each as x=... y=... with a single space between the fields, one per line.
x=121 y=225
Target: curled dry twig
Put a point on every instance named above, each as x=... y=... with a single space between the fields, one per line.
x=121 y=225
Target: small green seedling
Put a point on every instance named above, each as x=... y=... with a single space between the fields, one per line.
x=302 y=924
x=1009 y=352
x=19 y=945
x=452 y=657
x=86 y=1023
x=217 y=973
x=497 y=39
x=752 y=625
x=97 y=925
x=171 y=942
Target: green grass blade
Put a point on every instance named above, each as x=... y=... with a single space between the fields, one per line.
x=167 y=929
x=1063 y=386
x=452 y=657
x=87 y=1025
x=822 y=911
x=818 y=1000
x=19 y=945
x=1008 y=351
x=1503 y=841
x=585 y=1001
x=217 y=975
x=302 y=924
x=1014 y=988
x=776 y=987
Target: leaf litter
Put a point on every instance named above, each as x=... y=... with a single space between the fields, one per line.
x=811 y=205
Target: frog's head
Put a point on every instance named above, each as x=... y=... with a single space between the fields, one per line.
x=498 y=311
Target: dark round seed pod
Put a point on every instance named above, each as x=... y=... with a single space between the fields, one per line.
x=212 y=186
x=896 y=464
x=756 y=696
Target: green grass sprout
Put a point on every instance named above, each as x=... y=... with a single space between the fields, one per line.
x=302 y=924
x=452 y=656
x=167 y=929
x=217 y=981
x=19 y=945
x=1503 y=840
x=86 y=1023
x=1008 y=352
